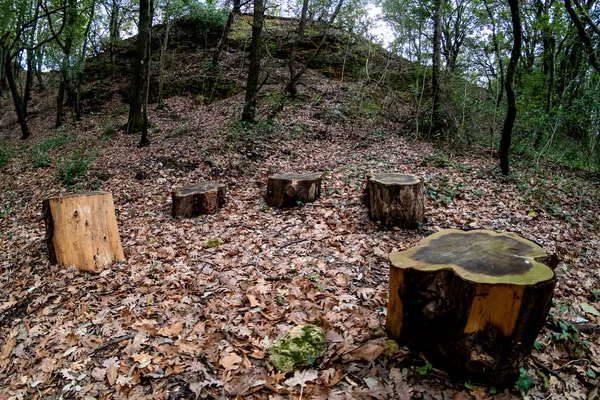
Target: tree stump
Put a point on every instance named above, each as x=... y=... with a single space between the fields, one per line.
x=81 y=230
x=198 y=199
x=396 y=199
x=472 y=301
x=289 y=190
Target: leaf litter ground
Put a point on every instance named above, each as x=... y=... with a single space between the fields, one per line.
x=191 y=312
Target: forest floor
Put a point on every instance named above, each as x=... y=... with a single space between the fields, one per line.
x=183 y=319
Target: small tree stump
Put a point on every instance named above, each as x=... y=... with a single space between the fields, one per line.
x=472 y=301
x=289 y=190
x=198 y=199
x=81 y=230
x=396 y=199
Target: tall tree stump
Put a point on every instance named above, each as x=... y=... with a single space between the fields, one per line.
x=81 y=230
x=396 y=199
x=198 y=199
x=289 y=190
x=472 y=301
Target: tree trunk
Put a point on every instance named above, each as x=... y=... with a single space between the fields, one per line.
x=436 y=125
x=396 y=199
x=472 y=301
x=296 y=37
x=113 y=32
x=16 y=96
x=81 y=230
x=65 y=71
x=198 y=199
x=163 y=55
x=249 y=111
x=235 y=10
x=290 y=190
x=144 y=141
x=135 y=121
x=511 y=113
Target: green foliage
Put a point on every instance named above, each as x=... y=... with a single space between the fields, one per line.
x=425 y=369
x=207 y=16
x=76 y=166
x=40 y=154
x=108 y=131
x=525 y=381
x=5 y=154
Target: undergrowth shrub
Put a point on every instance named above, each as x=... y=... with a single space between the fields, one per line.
x=75 y=166
x=5 y=154
x=39 y=154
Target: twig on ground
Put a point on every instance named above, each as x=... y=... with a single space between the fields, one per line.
x=111 y=342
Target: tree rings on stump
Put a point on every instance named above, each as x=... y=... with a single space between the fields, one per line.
x=289 y=190
x=396 y=199
x=81 y=230
x=472 y=301
x=198 y=199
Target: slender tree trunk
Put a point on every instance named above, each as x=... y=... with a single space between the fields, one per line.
x=511 y=113
x=28 y=81
x=294 y=79
x=436 y=124
x=79 y=77
x=163 y=55
x=67 y=48
x=144 y=141
x=235 y=10
x=249 y=111
x=17 y=100
x=113 y=32
x=135 y=122
x=3 y=82
x=296 y=37
x=497 y=52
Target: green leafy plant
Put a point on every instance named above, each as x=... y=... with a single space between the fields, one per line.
x=425 y=369
x=108 y=131
x=5 y=154
x=70 y=169
x=525 y=381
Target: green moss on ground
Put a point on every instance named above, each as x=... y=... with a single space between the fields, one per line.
x=298 y=347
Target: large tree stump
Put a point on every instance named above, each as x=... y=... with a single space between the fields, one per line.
x=81 y=230
x=396 y=199
x=198 y=199
x=289 y=190
x=472 y=301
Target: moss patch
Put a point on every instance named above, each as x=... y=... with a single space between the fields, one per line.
x=298 y=347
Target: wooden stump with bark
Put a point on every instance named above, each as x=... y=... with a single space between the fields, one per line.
x=81 y=230
x=198 y=199
x=395 y=199
x=289 y=190
x=472 y=301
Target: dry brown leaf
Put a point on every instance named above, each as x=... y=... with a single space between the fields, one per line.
x=368 y=352
x=111 y=374
x=230 y=361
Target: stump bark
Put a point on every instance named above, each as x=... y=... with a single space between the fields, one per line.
x=289 y=190
x=472 y=301
x=198 y=199
x=81 y=230
x=396 y=199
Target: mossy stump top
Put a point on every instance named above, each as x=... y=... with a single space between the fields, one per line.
x=389 y=178
x=198 y=199
x=480 y=256
x=472 y=301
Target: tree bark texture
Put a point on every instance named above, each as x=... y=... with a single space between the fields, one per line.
x=511 y=112
x=290 y=190
x=249 y=112
x=436 y=117
x=396 y=199
x=135 y=121
x=235 y=10
x=81 y=230
x=198 y=199
x=472 y=301
x=296 y=37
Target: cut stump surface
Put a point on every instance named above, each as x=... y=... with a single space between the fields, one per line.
x=472 y=301
x=396 y=199
x=198 y=199
x=289 y=190
x=81 y=230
